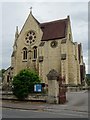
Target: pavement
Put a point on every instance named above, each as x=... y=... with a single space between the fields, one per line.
x=76 y=101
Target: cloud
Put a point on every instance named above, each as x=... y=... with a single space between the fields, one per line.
x=44 y=1
x=0 y=36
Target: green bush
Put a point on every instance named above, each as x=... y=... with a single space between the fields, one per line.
x=88 y=81
x=23 y=83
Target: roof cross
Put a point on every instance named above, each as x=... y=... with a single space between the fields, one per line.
x=30 y=9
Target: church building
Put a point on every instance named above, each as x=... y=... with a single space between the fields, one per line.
x=47 y=47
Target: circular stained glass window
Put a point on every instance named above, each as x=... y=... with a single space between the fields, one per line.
x=30 y=37
x=54 y=44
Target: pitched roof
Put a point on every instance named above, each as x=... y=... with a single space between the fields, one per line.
x=54 y=30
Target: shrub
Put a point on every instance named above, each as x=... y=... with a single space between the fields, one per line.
x=23 y=83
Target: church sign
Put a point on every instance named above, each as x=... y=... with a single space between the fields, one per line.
x=37 y=88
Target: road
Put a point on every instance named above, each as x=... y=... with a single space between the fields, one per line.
x=18 y=113
x=76 y=107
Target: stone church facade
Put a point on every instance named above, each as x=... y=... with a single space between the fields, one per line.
x=45 y=47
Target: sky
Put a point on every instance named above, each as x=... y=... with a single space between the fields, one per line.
x=14 y=14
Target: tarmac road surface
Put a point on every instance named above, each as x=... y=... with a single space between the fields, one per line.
x=18 y=113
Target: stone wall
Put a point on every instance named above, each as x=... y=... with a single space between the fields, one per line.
x=31 y=97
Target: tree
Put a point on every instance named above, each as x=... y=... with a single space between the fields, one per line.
x=23 y=83
x=2 y=71
x=88 y=79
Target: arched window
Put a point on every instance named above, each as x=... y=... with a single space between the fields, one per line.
x=8 y=78
x=35 y=52
x=24 y=53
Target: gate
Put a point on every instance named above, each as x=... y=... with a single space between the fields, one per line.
x=62 y=94
x=62 y=91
